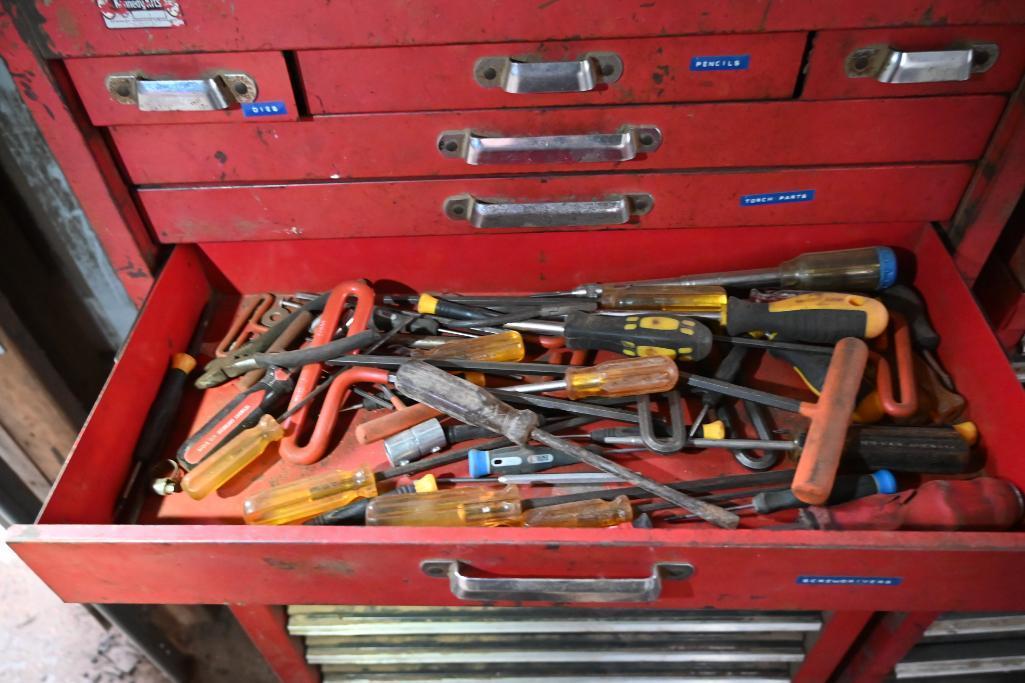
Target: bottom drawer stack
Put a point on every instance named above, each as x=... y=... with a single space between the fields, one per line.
x=966 y=647
x=523 y=643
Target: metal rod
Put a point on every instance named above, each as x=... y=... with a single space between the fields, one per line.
x=768 y=344
x=489 y=367
x=736 y=391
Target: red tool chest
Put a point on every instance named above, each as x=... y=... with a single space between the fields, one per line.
x=732 y=134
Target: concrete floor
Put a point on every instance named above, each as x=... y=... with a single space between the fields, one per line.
x=44 y=640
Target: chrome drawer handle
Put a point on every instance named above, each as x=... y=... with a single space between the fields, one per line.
x=219 y=91
x=646 y=589
x=525 y=77
x=623 y=145
x=484 y=213
x=889 y=65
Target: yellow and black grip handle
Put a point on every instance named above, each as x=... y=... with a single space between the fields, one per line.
x=812 y=368
x=664 y=334
x=821 y=317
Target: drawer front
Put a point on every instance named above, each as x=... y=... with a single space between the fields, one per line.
x=82 y=29
x=427 y=207
x=681 y=136
x=194 y=88
x=651 y=70
x=198 y=556
x=852 y=63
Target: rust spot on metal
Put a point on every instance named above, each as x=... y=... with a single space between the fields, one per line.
x=221 y=156
x=280 y=564
x=336 y=567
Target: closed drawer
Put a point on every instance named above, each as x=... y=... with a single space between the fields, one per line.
x=198 y=553
x=597 y=138
x=656 y=200
x=192 y=88
x=650 y=70
x=868 y=63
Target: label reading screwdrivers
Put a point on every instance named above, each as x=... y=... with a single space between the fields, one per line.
x=849 y=580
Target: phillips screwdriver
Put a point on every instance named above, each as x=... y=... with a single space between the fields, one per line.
x=848 y=487
x=823 y=317
x=664 y=334
x=473 y=405
x=862 y=270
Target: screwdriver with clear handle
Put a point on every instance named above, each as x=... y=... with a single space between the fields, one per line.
x=468 y=506
x=865 y=269
x=614 y=378
x=308 y=497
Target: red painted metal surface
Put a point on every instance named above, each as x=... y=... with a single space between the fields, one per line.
x=1002 y=297
x=885 y=645
x=993 y=193
x=827 y=79
x=747 y=569
x=694 y=136
x=73 y=28
x=655 y=70
x=82 y=558
x=824 y=654
x=282 y=212
x=265 y=626
x=267 y=69
x=85 y=159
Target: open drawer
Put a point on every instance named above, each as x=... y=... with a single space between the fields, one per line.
x=187 y=552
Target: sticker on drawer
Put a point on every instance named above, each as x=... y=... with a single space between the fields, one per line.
x=250 y=109
x=849 y=580
x=720 y=63
x=788 y=197
x=141 y=13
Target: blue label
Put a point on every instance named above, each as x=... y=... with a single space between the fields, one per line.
x=777 y=197
x=849 y=580
x=264 y=109
x=720 y=63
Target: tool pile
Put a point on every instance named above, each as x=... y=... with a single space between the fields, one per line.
x=571 y=389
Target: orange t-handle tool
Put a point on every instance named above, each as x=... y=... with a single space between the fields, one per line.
x=315 y=448
x=394 y=422
x=830 y=417
x=903 y=354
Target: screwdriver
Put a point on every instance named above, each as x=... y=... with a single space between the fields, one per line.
x=546 y=478
x=467 y=506
x=473 y=405
x=668 y=334
x=248 y=444
x=614 y=378
x=728 y=371
x=355 y=513
x=502 y=347
x=514 y=460
x=862 y=270
x=983 y=504
x=591 y=513
x=308 y=497
x=823 y=317
x=847 y=487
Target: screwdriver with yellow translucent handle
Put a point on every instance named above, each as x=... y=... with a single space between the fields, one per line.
x=621 y=377
x=822 y=317
x=501 y=347
x=582 y=514
x=308 y=497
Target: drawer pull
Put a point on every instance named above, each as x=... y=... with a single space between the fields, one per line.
x=888 y=65
x=484 y=213
x=623 y=145
x=219 y=91
x=525 y=77
x=645 y=589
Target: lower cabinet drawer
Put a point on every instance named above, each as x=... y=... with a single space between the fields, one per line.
x=928 y=192
x=512 y=643
x=188 y=552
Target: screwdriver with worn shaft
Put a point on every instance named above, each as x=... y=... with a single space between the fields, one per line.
x=473 y=405
x=861 y=270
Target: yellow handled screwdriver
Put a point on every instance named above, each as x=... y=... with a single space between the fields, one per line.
x=822 y=317
x=611 y=379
